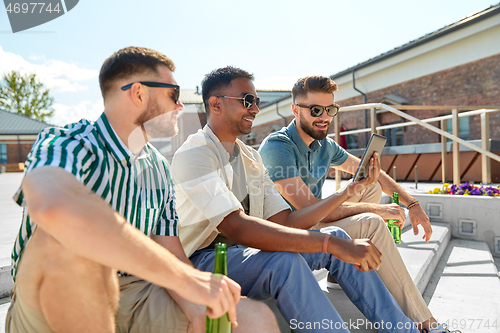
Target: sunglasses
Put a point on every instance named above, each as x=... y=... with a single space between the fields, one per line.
x=175 y=96
x=248 y=100
x=317 y=110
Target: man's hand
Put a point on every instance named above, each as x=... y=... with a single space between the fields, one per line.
x=218 y=292
x=391 y=212
x=361 y=252
x=373 y=173
x=418 y=216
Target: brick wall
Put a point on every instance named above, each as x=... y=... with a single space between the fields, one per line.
x=262 y=131
x=475 y=84
x=13 y=152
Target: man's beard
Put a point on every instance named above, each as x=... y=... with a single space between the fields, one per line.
x=157 y=124
x=315 y=134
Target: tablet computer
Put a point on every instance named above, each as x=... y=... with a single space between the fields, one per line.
x=376 y=143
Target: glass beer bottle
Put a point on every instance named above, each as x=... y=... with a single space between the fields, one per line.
x=222 y=324
x=395 y=228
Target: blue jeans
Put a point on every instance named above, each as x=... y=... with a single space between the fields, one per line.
x=287 y=277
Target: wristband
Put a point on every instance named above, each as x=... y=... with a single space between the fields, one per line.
x=413 y=204
x=325 y=242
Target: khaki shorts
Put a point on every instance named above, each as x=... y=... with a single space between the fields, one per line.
x=144 y=307
x=21 y=318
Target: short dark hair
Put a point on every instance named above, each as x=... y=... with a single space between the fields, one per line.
x=219 y=79
x=130 y=61
x=313 y=83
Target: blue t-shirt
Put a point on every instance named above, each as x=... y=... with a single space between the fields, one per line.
x=286 y=155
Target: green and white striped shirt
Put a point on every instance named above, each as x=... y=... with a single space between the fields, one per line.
x=139 y=188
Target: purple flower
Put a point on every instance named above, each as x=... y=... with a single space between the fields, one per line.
x=465 y=186
x=476 y=191
x=490 y=192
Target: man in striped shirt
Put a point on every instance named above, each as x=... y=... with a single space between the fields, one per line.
x=93 y=192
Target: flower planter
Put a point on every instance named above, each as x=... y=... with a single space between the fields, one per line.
x=470 y=217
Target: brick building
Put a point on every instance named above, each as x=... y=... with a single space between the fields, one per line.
x=193 y=118
x=458 y=65
x=17 y=135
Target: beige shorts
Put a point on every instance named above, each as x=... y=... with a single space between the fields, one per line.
x=21 y=318
x=144 y=307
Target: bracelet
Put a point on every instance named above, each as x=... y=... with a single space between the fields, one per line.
x=325 y=242
x=413 y=204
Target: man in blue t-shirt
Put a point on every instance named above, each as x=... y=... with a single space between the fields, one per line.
x=299 y=158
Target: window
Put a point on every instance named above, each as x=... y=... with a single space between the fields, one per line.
x=463 y=128
x=395 y=136
x=3 y=153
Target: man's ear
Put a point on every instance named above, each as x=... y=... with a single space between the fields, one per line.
x=295 y=110
x=137 y=94
x=214 y=103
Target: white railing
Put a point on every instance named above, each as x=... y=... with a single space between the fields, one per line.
x=485 y=136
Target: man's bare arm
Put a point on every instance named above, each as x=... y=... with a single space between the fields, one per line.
x=87 y=226
x=272 y=235
x=300 y=196
x=389 y=185
x=269 y=236
x=194 y=312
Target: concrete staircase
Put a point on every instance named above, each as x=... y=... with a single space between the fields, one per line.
x=458 y=279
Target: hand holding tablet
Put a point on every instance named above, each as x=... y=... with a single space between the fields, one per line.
x=376 y=144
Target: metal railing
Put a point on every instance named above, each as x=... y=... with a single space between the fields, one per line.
x=456 y=140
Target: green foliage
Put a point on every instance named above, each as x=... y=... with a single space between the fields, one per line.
x=26 y=95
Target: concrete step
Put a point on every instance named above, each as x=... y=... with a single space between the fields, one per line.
x=6 y=283
x=464 y=289
x=4 y=306
x=421 y=259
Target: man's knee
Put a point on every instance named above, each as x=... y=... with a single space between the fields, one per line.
x=373 y=226
x=254 y=316
x=286 y=261
x=53 y=258
x=46 y=260
x=335 y=231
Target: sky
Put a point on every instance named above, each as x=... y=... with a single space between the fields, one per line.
x=278 y=41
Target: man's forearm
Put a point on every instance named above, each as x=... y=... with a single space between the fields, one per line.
x=269 y=236
x=350 y=209
x=193 y=311
x=306 y=217
x=389 y=186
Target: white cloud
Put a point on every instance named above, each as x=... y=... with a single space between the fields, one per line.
x=65 y=114
x=276 y=82
x=57 y=75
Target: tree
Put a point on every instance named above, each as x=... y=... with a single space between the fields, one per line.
x=25 y=95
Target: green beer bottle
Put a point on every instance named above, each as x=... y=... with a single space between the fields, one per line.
x=394 y=228
x=222 y=324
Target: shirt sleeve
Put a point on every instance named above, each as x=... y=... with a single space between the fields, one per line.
x=167 y=224
x=339 y=155
x=55 y=147
x=280 y=160
x=273 y=201
x=197 y=174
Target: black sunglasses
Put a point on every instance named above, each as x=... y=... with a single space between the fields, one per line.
x=248 y=100
x=175 y=96
x=317 y=110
